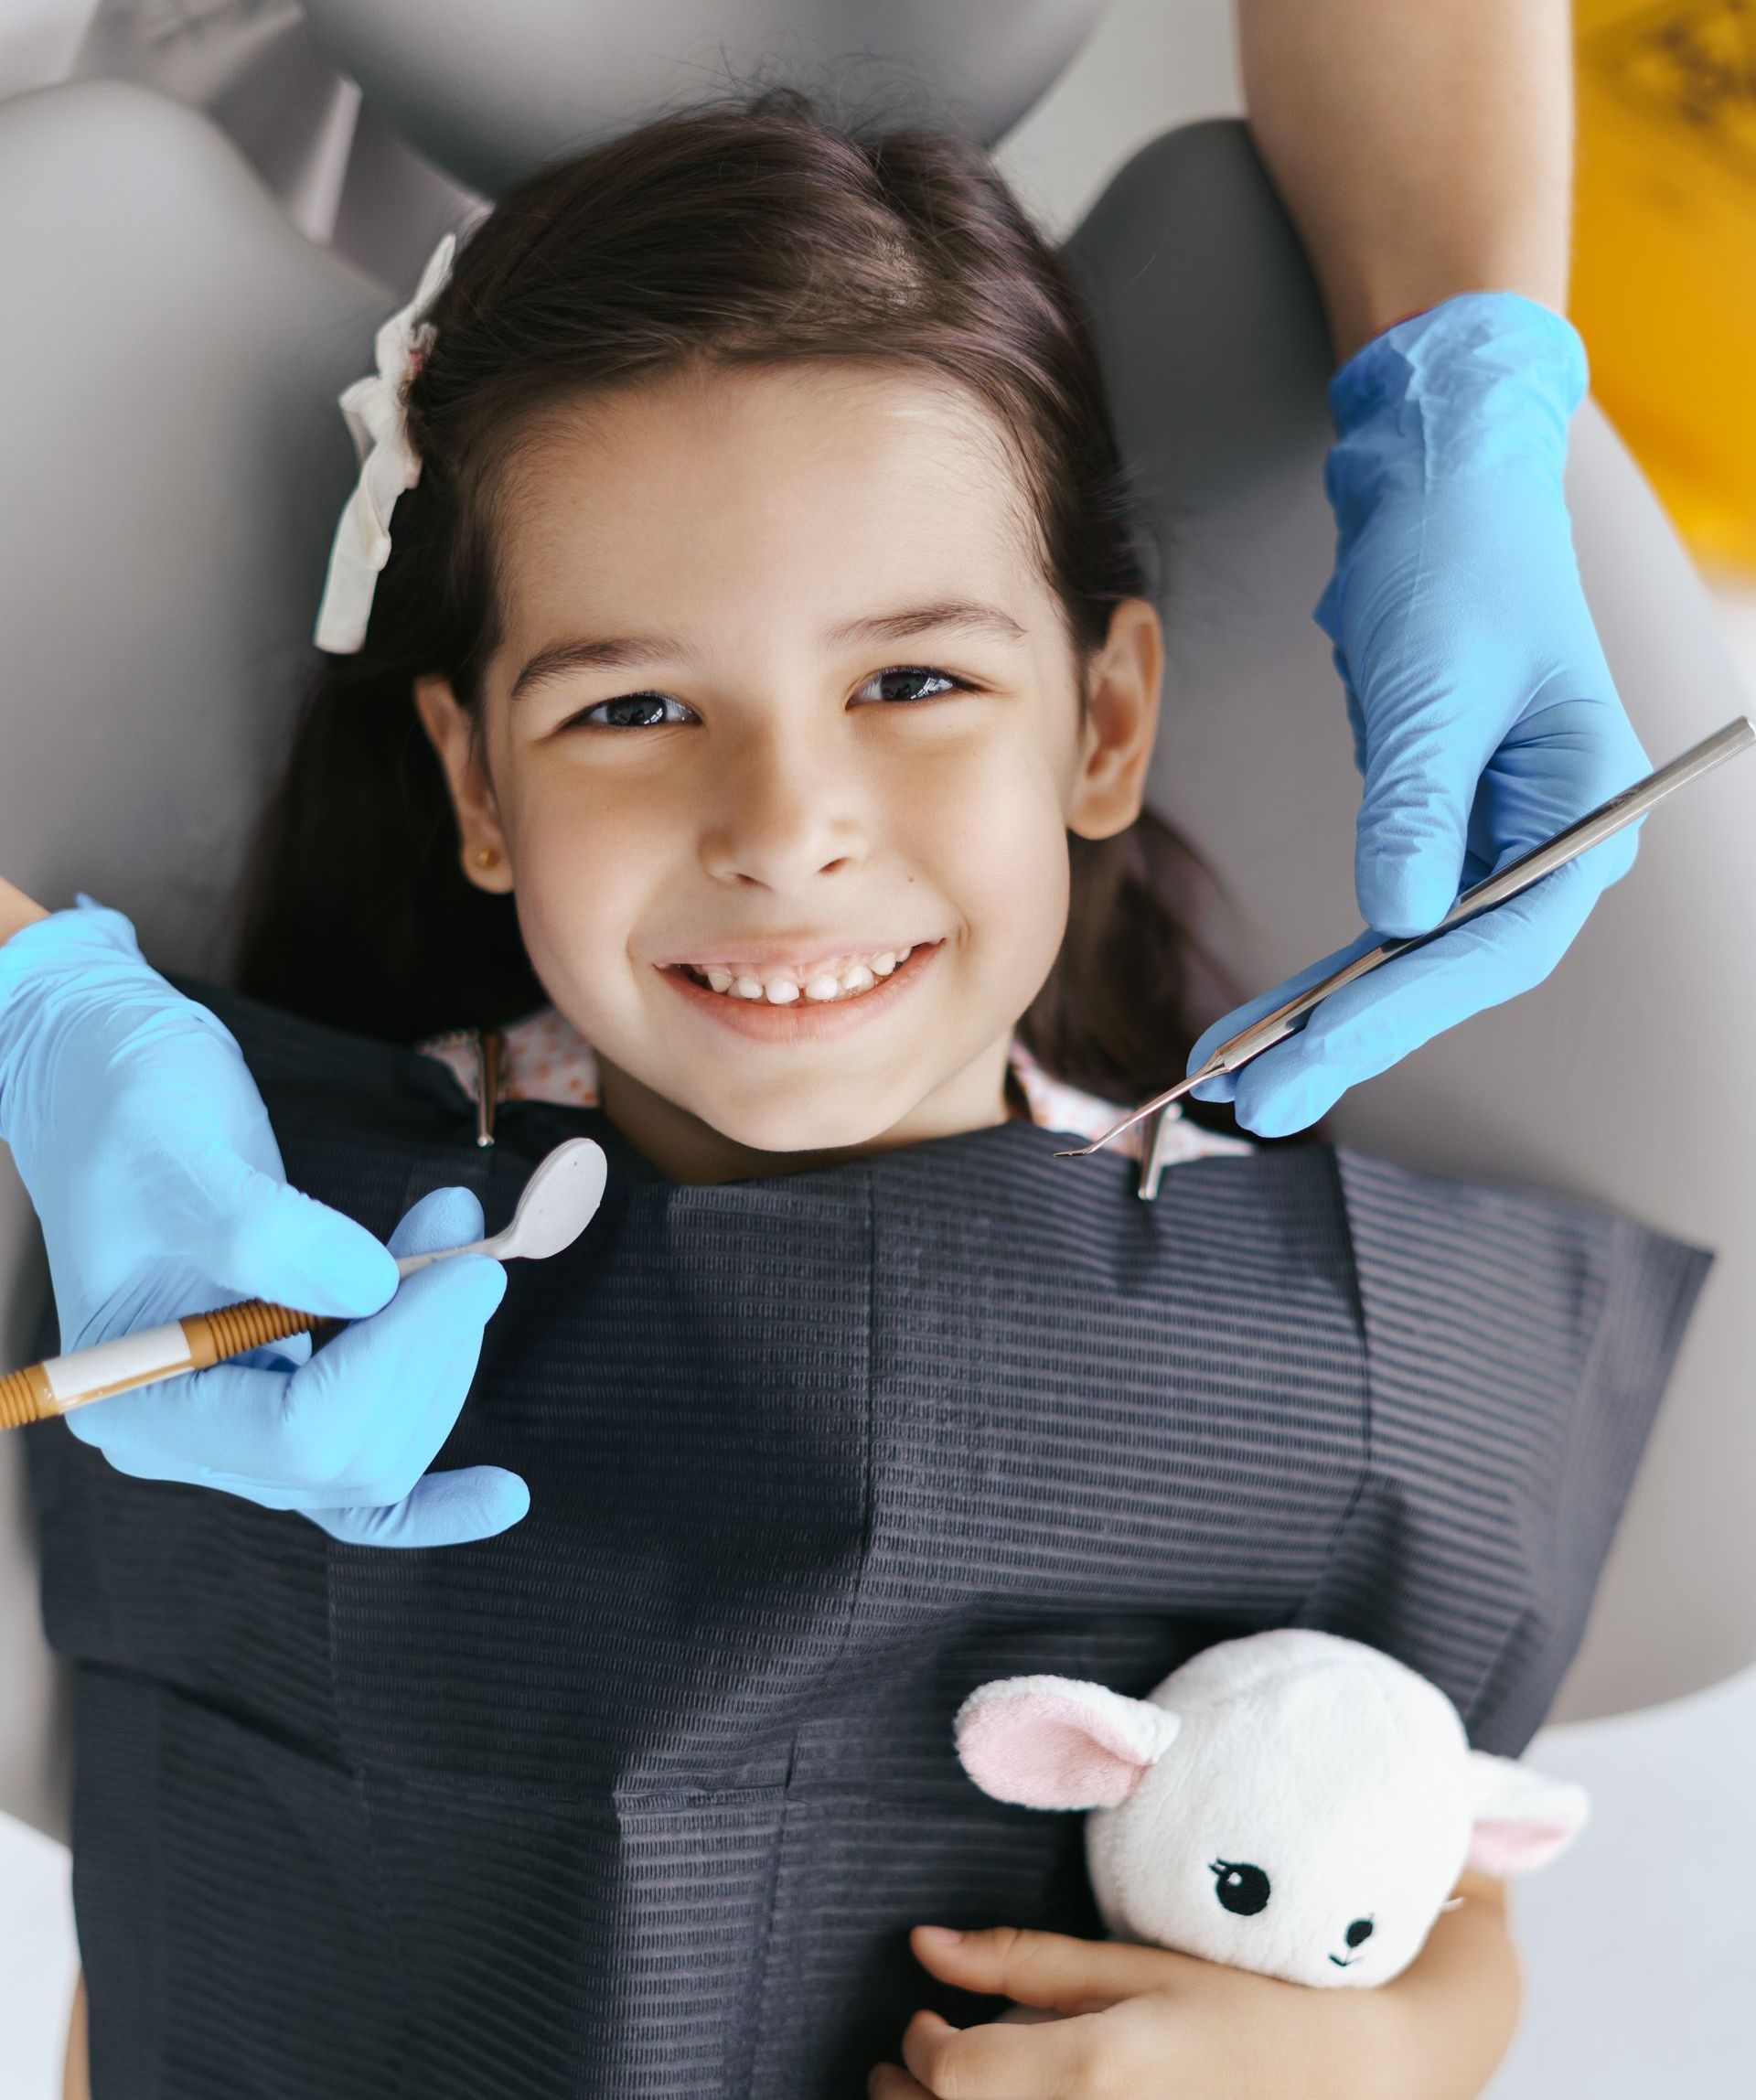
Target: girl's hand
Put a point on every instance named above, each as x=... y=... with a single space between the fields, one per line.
x=1142 y=2024
x=1138 y=2023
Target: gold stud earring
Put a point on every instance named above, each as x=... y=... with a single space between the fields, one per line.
x=486 y=856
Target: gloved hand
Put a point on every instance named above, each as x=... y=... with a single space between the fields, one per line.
x=146 y=1149
x=1484 y=713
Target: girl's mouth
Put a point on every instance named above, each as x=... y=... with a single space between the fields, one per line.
x=862 y=994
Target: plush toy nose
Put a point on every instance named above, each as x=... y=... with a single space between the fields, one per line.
x=1359 y=1931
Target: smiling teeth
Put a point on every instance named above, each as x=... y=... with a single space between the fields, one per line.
x=856 y=974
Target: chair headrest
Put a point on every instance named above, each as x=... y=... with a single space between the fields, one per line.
x=457 y=81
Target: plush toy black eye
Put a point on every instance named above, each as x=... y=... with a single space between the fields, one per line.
x=1240 y=1887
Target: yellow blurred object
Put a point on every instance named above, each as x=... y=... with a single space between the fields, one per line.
x=1665 y=250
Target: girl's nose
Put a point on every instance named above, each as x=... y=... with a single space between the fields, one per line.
x=782 y=816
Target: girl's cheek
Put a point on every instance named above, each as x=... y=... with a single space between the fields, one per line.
x=581 y=867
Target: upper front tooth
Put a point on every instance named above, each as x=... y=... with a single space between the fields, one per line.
x=827 y=981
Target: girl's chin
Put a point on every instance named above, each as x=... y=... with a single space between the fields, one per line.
x=796 y=1126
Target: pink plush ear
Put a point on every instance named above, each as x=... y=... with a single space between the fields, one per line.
x=1522 y=1820
x=1055 y=1742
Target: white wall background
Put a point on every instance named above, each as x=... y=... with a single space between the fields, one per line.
x=1640 y=1953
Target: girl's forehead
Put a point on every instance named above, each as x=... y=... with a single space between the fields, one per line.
x=818 y=480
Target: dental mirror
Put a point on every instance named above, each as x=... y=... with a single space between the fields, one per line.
x=559 y=1201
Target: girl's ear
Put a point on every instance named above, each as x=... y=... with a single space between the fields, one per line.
x=1522 y=1820
x=1122 y=715
x=451 y=733
x=1056 y=1742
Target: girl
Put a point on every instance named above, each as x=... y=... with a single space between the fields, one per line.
x=744 y=766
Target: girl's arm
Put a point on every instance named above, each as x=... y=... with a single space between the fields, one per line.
x=1160 y=2026
x=16 y=910
x=1422 y=151
x=76 y=2076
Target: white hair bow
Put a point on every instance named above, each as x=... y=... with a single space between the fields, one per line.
x=377 y=414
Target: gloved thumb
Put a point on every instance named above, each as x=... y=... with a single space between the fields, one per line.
x=447 y=1217
x=270 y=1241
x=1413 y=830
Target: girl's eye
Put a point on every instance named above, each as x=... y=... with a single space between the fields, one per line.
x=650 y=710
x=630 y=711
x=910 y=681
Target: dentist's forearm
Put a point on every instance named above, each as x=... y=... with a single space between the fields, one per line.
x=1422 y=150
x=16 y=910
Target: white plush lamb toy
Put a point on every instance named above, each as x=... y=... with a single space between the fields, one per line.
x=1291 y=1803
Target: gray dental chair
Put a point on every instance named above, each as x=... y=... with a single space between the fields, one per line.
x=172 y=462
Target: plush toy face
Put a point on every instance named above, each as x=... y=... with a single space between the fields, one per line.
x=1291 y=1803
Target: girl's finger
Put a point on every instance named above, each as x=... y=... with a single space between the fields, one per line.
x=1055 y=2060
x=1043 y=1968
x=889 y=2081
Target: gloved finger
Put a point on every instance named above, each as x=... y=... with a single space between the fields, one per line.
x=286 y=1354
x=447 y=1217
x=1559 y=762
x=441 y=1509
x=422 y=1349
x=1422 y=766
x=265 y=1239
x=294 y=1435
x=388 y=1464
x=1224 y=1087
x=1368 y=1027
x=446 y=1508
x=401 y=1446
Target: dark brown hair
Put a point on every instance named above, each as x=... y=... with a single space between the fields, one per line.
x=748 y=233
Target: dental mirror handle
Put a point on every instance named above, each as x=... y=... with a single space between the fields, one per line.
x=196 y=1343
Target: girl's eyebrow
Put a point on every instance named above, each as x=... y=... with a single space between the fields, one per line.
x=618 y=652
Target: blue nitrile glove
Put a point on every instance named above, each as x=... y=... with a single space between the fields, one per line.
x=146 y=1149
x=1484 y=716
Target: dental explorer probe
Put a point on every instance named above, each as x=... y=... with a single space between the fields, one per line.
x=1286 y=1019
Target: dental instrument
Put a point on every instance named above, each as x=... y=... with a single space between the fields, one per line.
x=555 y=1206
x=1595 y=826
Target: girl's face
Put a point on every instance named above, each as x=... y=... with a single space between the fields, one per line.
x=784 y=702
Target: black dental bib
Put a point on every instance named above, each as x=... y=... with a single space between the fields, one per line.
x=641 y=1798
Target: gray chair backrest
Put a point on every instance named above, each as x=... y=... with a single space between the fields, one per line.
x=171 y=466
